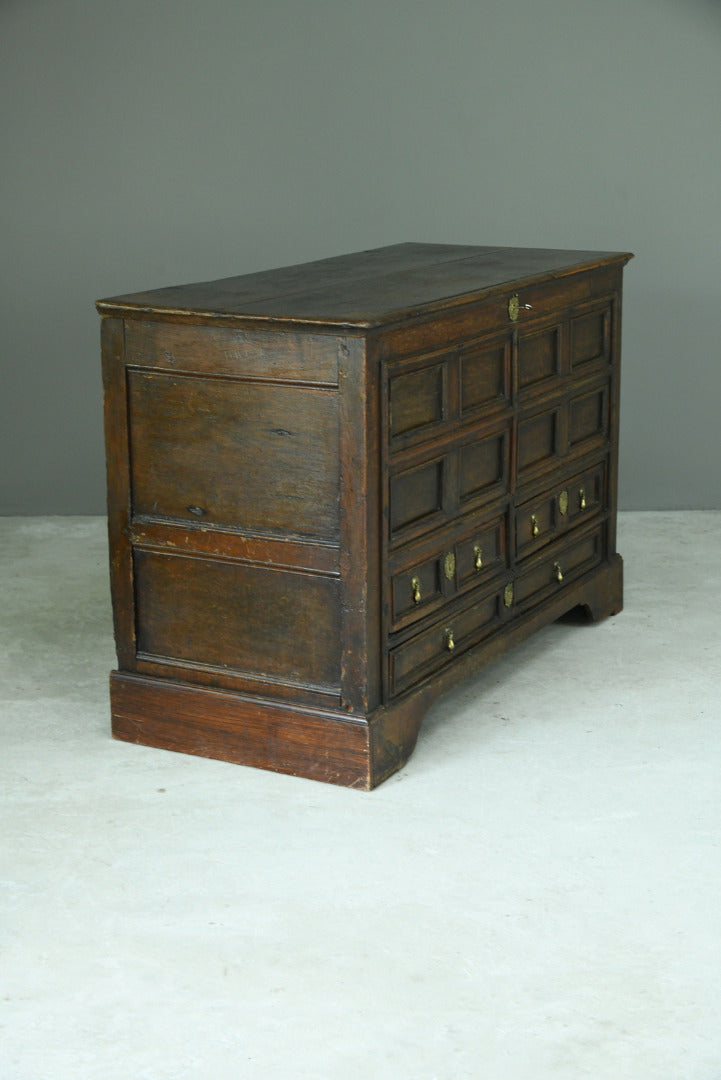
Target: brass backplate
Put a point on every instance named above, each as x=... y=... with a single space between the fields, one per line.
x=508 y=594
x=513 y=308
x=563 y=502
x=449 y=565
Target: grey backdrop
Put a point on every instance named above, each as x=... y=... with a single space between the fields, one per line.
x=151 y=142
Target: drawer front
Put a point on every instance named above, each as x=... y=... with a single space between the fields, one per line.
x=235 y=454
x=559 y=567
x=436 y=647
x=425 y=580
x=542 y=518
x=238 y=617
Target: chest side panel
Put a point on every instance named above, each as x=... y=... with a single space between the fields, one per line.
x=229 y=532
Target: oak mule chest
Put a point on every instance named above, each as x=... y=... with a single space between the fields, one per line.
x=336 y=489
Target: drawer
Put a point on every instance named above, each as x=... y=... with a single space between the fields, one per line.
x=437 y=646
x=235 y=454
x=557 y=568
x=427 y=578
x=542 y=518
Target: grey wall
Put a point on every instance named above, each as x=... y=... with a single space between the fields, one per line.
x=150 y=142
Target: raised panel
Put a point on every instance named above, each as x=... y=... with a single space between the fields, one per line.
x=590 y=338
x=483 y=467
x=416 y=495
x=235 y=454
x=417 y=400
x=538 y=440
x=484 y=375
x=539 y=357
x=270 y=624
x=588 y=417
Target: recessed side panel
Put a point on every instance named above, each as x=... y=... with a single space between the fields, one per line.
x=270 y=624
x=254 y=456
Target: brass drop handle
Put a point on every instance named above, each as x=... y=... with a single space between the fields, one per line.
x=416 y=587
x=535 y=530
x=582 y=499
x=558 y=571
x=477 y=557
x=450 y=643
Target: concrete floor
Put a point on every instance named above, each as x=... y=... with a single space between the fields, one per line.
x=537 y=894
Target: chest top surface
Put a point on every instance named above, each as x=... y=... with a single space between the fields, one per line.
x=363 y=289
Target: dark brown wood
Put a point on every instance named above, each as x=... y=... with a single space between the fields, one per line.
x=336 y=489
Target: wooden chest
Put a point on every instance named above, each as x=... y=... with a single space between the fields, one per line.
x=336 y=489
